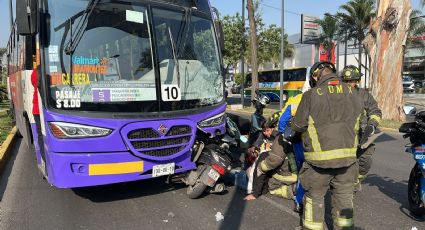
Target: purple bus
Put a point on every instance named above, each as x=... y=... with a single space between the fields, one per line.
x=123 y=86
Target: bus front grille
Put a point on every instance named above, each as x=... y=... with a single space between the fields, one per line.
x=160 y=143
x=143 y=133
x=154 y=143
x=163 y=152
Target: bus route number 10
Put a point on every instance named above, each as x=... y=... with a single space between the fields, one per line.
x=170 y=93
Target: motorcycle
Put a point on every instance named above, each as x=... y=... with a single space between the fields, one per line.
x=260 y=102
x=213 y=157
x=416 y=185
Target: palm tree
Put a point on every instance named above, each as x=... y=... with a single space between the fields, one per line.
x=329 y=29
x=355 y=20
x=416 y=29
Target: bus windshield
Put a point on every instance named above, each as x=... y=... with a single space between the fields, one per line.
x=131 y=59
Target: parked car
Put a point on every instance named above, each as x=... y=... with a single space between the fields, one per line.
x=236 y=89
x=408 y=85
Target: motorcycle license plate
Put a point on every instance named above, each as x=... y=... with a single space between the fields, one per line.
x=162 y=170
x=214 y=175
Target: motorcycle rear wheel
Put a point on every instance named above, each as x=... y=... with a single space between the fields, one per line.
x=416 y=205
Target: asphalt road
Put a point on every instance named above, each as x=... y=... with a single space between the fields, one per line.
x=28 y=202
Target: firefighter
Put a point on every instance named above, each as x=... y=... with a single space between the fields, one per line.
x=328 y=118
x=279 y=166
x=280 y=163
x=368 y=123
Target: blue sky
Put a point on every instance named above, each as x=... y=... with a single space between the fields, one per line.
x=269 y=8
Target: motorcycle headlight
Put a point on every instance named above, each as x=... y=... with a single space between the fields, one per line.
x=213 y=121
x=66 y=130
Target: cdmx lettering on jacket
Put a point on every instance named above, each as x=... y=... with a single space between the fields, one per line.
x=334 y=89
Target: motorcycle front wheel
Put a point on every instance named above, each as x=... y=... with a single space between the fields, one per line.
x=416 y=205
x=196 y=190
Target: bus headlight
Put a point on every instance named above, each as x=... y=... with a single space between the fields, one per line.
x=213 y=121
x=66 y=130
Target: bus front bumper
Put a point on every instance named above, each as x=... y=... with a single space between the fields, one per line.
x=71 y=170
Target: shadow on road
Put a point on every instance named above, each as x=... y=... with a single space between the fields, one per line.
x=124 y=191
x=4 y=176
x=384 y=138
x=234 y=212
x=394 y=190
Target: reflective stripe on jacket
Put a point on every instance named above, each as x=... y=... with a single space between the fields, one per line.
x=329 y=118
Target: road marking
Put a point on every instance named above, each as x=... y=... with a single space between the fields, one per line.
x=280 y=206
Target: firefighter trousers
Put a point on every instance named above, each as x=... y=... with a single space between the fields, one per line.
x=364 y=157
x=316 y=182
x=283 y=186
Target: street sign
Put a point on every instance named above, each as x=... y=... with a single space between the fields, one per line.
x=310 y=30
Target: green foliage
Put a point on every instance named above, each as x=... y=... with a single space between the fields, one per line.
x=5 y=125
x=356 y=17
x=233 y=38
x=238 y=78
x=329 y=29
x=3 y=93
x=416 y=29
x=269 y=45
x=268 y=41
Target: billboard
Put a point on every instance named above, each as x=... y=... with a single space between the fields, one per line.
x=310 y=30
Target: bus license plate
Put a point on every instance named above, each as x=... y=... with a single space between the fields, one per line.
x=213 y=174
x=161 y=170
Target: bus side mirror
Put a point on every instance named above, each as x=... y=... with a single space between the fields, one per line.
x=26 y=17
x=220 y=35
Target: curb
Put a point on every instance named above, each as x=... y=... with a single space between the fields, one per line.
x=6 y=147
x=390 y=130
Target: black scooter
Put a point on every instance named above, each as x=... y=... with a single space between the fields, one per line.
x=213 y=157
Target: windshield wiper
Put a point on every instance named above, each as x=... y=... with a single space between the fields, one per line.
x=176 y=61
x=80 y=28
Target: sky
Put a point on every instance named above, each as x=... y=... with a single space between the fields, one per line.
x=271 y=11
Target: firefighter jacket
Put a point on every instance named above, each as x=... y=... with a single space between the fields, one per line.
x=329 y=118
x=281 y=161
x=372 y=114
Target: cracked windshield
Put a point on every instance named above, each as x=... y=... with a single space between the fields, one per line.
x=110 y=48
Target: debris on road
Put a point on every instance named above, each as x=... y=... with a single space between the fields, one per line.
x=219 y=216
x=170 y=214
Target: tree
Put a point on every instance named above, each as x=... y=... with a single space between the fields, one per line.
x=233 y=39
x=329 y=30
x=269 y=45
x=416 y=29
x=385 y=43
x=355 y=20
x=254 y=46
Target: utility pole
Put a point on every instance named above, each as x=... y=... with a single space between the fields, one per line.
x=282 y=55
x=11 y=14
x=242 y=55
x=337 y=55
x=345 y=49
